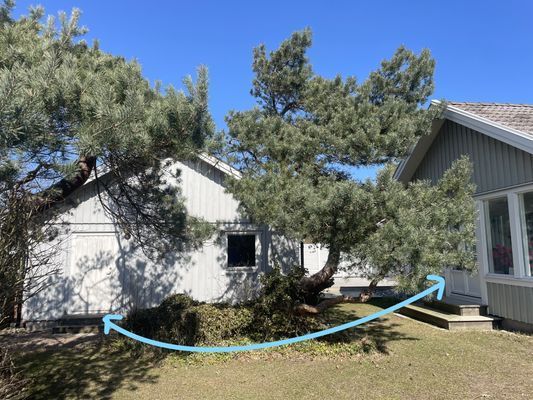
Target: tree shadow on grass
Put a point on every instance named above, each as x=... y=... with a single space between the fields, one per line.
x=371 y=336
x=92 y=371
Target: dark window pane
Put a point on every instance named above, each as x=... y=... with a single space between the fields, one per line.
x=241 y=250
x=500 y=237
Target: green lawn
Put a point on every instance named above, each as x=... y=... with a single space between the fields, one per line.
x=395 y=358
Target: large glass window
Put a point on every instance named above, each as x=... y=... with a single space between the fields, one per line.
x=527 y=230
x=499 y=237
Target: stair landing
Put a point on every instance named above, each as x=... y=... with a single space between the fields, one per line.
x=457 y=306
x=452 y=314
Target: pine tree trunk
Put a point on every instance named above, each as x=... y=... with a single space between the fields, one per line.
x=368 y=293
x=59 y=191
x=323 y=279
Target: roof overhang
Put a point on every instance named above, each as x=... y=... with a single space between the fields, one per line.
x=510 y=136
x=220 y=165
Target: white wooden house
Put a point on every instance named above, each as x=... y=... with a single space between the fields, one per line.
x=103 y=272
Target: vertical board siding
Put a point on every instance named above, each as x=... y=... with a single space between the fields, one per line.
x=496 y=164
x=102 y=271
x=513 y=302
x=204 y=190
x=201 y=184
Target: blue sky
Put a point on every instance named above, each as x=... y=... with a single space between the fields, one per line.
x=483 y=49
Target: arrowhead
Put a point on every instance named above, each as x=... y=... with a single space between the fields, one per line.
x=107 y=321
x=440 y=284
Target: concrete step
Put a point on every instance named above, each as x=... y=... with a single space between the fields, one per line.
x=448 y=320
x=458 y=307
x=80 y=319
x=79 y=323
x=77 y=329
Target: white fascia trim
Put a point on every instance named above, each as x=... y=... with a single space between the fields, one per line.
x=213 y=161
x=220 y=165
x=401 y=166
x=408 y=165
x=513 y=137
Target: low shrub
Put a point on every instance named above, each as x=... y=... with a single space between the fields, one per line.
x=180 y=319
x=168 y=321
x=215 y=323
x=273 y=316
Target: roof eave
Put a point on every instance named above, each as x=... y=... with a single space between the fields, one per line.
x=220 y=165
x=513 y=137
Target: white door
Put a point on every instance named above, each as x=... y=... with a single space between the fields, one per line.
x=464 y=284
x=93 y=273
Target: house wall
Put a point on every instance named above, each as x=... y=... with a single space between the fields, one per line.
x=497 y=166
x=513 y=302
x=103 y=272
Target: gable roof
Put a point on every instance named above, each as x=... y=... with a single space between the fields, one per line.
x=515 y=116
x=215 y=162
x=508 y=123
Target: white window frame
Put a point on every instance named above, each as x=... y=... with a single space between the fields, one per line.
x=258 y=250
x=526 y=272
x=514 y=202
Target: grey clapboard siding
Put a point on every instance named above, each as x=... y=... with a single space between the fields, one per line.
x=496 y=164
x=514 y=302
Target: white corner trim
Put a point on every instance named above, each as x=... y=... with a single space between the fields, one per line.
x=517 y=243
x=481 y=248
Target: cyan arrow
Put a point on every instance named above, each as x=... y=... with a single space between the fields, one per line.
x=109 y=324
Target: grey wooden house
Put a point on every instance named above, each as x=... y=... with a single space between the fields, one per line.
x=498 y=139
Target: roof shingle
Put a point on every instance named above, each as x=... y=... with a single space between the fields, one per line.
x=516 y=116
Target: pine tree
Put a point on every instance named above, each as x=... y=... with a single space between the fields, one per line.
x=69 y=110
x=298 y=146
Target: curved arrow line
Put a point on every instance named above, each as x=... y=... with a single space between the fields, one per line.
x=108 y=325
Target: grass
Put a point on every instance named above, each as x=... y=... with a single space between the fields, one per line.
x=393 y=358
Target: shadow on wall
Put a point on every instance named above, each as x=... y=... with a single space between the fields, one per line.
x=284 y=252
x=143 y=283
x=112 y=276
x=103 y=272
